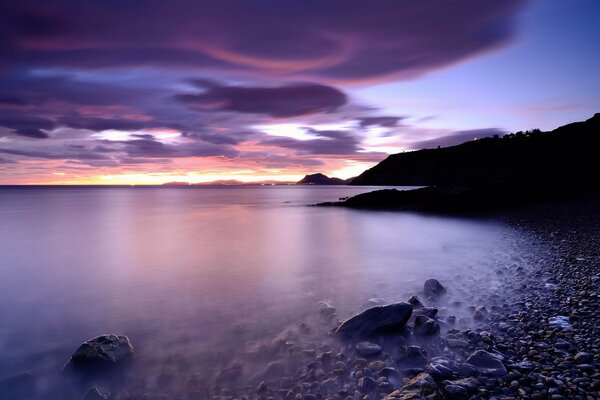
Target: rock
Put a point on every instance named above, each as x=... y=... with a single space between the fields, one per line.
x=18 y=387
x=584 y=358
x=421 y=387
x=426 y=312
x=561 y=322
x=433 y=288
x=368 y=349
x=325 y=309
x=480 y=313
x=487 y=364
x=415 y=302
x=425 y=326
x=439 y=368
x=456 y=343
x=101 y=352
x=412 y=356
x=97 y=393
x=380 y=319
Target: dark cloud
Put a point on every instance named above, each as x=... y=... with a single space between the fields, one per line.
x=457 y=137
x=386 y=122
x=28 y=126
x=151 y=148
x=332 y=40
x=282 y=101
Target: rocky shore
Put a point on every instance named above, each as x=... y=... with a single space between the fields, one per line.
x=541 y=342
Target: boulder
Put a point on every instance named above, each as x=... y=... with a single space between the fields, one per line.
x=97 y=393
x=487 y=364
x=433 y=288
x=18 y=387
x=412 y=356
x=376 y=320
x=425 y=326
x=421 y=387
x=439 y=367
x=368 y=349
x=105 y=351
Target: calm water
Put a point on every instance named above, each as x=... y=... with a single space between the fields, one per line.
x=185 y=270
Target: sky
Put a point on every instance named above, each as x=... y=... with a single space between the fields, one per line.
x=148 y=92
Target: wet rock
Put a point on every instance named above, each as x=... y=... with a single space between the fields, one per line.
x=97 y=393
x=439 y=368
x=412 y=356
x=584 y=358
x=425 y=326
x=368 y=348
x=104 y=351
x=433 y=288
x=429 y=312
x=562 y=322
x=375 y=320
x=415 y=302
x=18 y=387
x=487 y=364
x=481 y=313
x=422 y=387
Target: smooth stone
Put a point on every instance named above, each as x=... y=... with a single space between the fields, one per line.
x=375 y=320
x=487 y=363
x=439 y=368
x=101 y=352
x=368 y=348
x=433 y=288
x=584 y=358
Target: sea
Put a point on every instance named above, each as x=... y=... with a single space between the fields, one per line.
x=198 y=277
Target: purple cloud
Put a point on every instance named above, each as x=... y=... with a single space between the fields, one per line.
x=335 y=40
x=279 y=102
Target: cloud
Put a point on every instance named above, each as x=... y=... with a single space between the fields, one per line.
x=28 y=126
x=337 y=40
x=279 y=102
x=457 y=137
x=385 y=122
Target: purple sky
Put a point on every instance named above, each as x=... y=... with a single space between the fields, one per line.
x=155 y=91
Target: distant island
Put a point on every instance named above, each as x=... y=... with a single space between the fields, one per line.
x=488 y=173
x=321 y=179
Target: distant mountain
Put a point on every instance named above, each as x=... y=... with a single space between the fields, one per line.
x=229 y=182
x=569 y=153
x=489 y=174
x=320 y=179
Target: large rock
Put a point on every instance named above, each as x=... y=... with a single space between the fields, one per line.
x=421 y=387
x=18 y=387
x=376 y=320
x=433 y=288
x=487 y=364
x=101 y=352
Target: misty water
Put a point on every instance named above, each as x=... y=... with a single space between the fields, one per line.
x=198 y=277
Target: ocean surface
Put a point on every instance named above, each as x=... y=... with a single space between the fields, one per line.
x=200 y=274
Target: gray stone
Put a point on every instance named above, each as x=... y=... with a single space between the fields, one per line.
x=368 y=349
x=412 y=356
x=487 y=364
x=375 y=320
x=425 y=326
x=433 y=288
x=100 y=352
